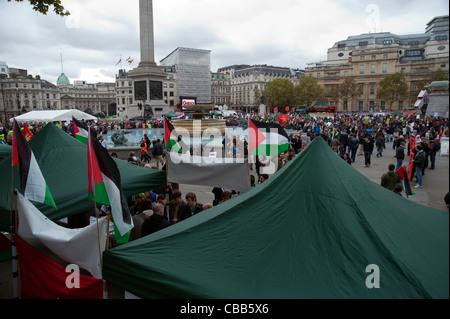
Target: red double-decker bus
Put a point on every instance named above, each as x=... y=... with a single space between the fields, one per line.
x=321 y=109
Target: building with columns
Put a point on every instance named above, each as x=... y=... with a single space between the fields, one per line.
x=367 y=58
x=20 y=93
x=245 y=81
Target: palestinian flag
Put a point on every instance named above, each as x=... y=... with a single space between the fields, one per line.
x=266 y=139
x=171 y=139
x=105 y=186
x=402 y=172
x=32 y=182
x=80 y=131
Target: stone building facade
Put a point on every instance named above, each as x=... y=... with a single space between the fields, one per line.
x=367 y=58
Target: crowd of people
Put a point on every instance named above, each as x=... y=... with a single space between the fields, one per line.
x=347 y=135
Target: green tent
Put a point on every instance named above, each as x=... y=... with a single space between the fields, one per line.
x=63 y=162
x=313 y=231
x=5 y=149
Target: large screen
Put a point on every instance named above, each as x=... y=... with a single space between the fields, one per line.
x=187 y=102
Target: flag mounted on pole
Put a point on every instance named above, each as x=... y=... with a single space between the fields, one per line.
x=402 y=172
x=266 y=139
x=171 y=140
x=32 y=182
x=80 y=131
x=104 y=184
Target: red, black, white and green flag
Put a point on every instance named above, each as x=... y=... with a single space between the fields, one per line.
x=105 y=184
x=266 y=139
x=80 y=131
x=402 y=172
x=171 y=140
x=32 y=182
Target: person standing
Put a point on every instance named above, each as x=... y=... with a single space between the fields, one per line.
x=368 y=147
x=400 y=155
x=419 y=162
x=390 y=179
x=380 y=142
x=434 y=148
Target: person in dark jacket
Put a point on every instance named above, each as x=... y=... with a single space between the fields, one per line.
x=390 y=179
x=380 y=142
x=400 y=155
x=368 y=150
x=155 y=222
x=191 y=208
x=419 y=163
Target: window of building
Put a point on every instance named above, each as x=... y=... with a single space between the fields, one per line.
x=385 y=56
x=372 y=88
x=441 y=37
x=400 y=105
x=361 y=89
x=341 y=45
x=385 y=68
x=373 y=68
x=362 y=58
x=363 y=43
x=372 y=105
x=361 y=69
x=374 y=57
x=345 y=106
x=345 y=73
x=361 y=105
x=383 y=105
x=387 y=41
x=413 y=88
x=171 y=85
x=413 y=42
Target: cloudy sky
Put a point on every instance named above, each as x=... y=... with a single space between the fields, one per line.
x=287 y=33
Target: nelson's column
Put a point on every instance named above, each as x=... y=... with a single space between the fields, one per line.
x=147 y=77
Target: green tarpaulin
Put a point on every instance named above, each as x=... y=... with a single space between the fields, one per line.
x=314 y=230
x=63 y=162
x=5 y=149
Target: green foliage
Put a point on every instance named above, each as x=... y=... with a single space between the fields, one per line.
x=439 y=75
x=347 y=90
x=308 y=91
x=279 y=92
x=42 y=6
x=393 y=88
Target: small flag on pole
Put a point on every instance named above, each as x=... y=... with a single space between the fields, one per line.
x=104 y=185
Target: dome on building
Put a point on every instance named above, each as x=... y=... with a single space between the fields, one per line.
x=63 y=79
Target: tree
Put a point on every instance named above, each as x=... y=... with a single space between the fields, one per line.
x=308 y=91
x=279 y=92
x=439 y=75
x=42 y=6
x=346 y=91
x=393 y=88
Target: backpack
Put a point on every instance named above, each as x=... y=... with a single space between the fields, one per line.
x=437 y=146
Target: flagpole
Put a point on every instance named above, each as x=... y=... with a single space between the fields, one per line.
x=15 y=258
x=105 y=283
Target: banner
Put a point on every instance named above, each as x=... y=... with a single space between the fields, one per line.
x=232 y=176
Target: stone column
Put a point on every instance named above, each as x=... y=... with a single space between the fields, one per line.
x=146 y=33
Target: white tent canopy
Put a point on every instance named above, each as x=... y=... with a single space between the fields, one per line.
x=53 y=116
